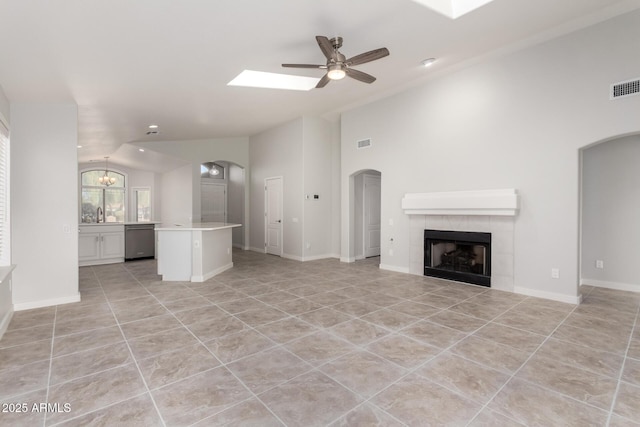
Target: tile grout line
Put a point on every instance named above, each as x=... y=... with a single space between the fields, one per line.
x=624 y=361
x=216 y=357
x=131 y=352
x=53 y=337
x=513 y=375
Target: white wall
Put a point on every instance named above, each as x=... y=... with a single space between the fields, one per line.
x=522 y=119
x=316 y=161
x=177 y=195
x=235 y=203
x=5 y=108
x=335 y=188
x=610 y=212
x=278 y=152
x=44 y=215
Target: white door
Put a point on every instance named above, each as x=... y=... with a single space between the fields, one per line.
x=213 y=200
x=273 y=215
x=372 y=215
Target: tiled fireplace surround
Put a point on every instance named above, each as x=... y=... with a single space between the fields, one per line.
x=485 y=211
x=500 y=227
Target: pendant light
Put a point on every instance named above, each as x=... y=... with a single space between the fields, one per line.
x=106 y=180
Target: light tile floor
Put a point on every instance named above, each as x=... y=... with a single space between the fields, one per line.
x=275 y=342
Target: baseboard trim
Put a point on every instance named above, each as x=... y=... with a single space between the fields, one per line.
x=611 y=285
x=46 y=303
x=317 y=257
x=4 y=324
x=394 y=268
x=347 y=259
x=260 y=250
x=210 y=274
x=293 y=257
x=548 y=295
x=360 y=257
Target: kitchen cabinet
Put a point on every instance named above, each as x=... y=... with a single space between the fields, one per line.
x=100 y=244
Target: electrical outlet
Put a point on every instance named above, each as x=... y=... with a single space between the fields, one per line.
x=555 y=273
x=390 y=252
x=308 y=245
x=599 y=263
x=196 y=243
x=228 y=251
x=391 y=222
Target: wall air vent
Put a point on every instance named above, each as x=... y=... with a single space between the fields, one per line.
x=626 y=88
x=364 y=143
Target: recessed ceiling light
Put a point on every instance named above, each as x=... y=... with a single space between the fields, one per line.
x=141 y=150
x=79 y=146
x=453 y=8
x=428 y=62
x=262 y=79
x=153 y=126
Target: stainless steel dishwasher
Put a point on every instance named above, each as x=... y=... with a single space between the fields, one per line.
x=139 y=241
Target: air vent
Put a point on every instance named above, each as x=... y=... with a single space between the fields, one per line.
x=626 y=88
x=152 y=132
x=364 y=143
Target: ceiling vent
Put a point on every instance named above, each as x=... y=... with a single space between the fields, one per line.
x=364 y=143
x=626 y=88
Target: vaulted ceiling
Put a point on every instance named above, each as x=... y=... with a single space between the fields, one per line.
x=131 y=63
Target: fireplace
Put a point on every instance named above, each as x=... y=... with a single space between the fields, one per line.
x=458 y=255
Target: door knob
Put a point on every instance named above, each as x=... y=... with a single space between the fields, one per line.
x=279 y=220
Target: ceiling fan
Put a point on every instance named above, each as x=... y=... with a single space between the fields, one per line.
x=338 y=66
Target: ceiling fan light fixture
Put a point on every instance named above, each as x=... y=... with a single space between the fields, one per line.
x=428 y=62
x=336 y=72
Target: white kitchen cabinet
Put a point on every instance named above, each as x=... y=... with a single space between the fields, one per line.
x=100 y=244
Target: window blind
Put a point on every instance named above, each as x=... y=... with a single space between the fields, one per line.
x=5 y=256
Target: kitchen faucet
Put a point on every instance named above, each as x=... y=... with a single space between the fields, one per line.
x=99 y=214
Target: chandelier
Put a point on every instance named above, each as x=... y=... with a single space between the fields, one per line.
x=106 y=180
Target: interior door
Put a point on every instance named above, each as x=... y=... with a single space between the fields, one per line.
x=273 y=215
x=371 y=211
x=213 y=199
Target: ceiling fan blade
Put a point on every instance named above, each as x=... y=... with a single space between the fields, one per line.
x=303 y=66
x=372 y=55
x=359 y=75
x=325 y=46
x=323 y=81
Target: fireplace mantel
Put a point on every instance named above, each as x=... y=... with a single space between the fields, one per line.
x=504 y=202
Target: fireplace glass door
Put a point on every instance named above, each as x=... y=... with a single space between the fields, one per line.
x=461 y=256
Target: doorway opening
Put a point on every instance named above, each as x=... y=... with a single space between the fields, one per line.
x=367 y=214
x=222 y=197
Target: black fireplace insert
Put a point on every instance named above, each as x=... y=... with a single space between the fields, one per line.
x=458 y=255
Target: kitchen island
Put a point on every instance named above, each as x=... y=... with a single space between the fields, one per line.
x=194 y=252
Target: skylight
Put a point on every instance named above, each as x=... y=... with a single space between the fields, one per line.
x=262 y=79
x=453 y=8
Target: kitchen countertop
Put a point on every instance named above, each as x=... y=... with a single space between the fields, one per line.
x=197 y=226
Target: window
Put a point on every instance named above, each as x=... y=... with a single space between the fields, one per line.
x=101 y=203
x=5 y=224
x=142 y=202
x=211 y=170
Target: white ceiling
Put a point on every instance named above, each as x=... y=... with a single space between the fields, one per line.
x=131 y=63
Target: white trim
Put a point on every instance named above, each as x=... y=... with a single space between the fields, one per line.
x=46 y=302
x=100 y=262
x=260 y=250
x=548 y=295
x=317 y=257
x=611 y=285
x=503 y=202
x=347 y=259
x=394 y=268
x=293 y=257
x=210 y=274
x=4 y=324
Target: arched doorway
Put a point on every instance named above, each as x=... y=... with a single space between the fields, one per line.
x=222 y=196
x=609 y=211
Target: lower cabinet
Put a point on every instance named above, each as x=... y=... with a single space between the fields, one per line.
x=100 y=244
